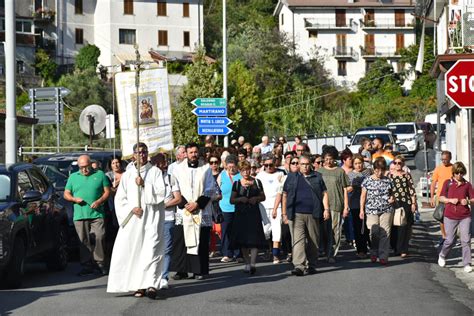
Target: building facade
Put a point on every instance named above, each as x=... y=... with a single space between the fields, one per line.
x=348 y=35
x=454 y=34
x=171 y=28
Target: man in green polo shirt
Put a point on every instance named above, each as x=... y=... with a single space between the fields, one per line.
x=88 y=189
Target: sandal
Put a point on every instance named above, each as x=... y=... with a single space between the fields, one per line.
x=151 y=293
x=139 y=293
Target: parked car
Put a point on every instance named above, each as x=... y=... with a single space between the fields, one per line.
x=409 y=136
x=67 y=162
x=33 y=224
x=371 y=133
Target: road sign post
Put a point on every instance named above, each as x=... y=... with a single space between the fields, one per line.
x=212 y=118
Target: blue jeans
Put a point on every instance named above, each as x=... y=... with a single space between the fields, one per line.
x=168 y=237
x=226 y=226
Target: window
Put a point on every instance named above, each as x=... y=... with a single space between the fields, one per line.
x=162 y=38
x=186 y=9
x=127 y=36
x=400 y=42
x=78 y=7
x=368 y=64
x=24 y=183
x=186 y=41
x=312 y=34
x=22 y=26
x=162 y=8
x=342 y=68
x=282 y=19
x=20 y=67
x=340 y=17
x=38 y=181
x=400 y=17
x=127 y=6
x=79 y=36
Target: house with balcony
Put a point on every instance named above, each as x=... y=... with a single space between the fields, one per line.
x=348 y=35
x=454 y=35
x=170 y=29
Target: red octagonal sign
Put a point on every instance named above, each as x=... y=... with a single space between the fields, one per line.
x=459 y=81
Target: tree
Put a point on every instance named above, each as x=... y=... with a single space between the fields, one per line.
x=45 y=67
x=203 y=82
x=88 y=57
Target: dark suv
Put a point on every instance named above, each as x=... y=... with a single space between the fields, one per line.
x=33 y=224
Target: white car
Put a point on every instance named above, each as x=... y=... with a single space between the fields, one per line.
x=409 y=136
x=371 y=133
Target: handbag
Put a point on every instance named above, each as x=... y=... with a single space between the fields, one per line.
x=399 y=217
x=217 y=216
x=438 y=213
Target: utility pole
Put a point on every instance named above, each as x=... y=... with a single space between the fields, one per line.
x=224 y=59
x=10 y=82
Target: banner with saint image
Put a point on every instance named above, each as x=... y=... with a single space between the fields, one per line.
x=154 y=110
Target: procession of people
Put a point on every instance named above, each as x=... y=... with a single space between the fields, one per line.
x=283 y=203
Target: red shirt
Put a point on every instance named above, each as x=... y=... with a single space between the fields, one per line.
x=461 y=191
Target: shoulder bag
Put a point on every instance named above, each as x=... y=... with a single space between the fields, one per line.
x=267 y=226
x=438 y=213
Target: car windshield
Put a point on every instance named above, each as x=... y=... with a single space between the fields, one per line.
x=402 y=129
x=5 y=189
x=58 y=178
x=357 y=138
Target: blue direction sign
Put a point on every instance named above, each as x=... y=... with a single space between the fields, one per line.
x=209 y=111
x=210 y=102
x=214 y=121
x=214 y=130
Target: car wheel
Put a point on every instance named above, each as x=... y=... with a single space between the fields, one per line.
x=13 y=272
x=57 y=259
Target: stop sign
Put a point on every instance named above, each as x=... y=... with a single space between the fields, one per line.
x=459 y=81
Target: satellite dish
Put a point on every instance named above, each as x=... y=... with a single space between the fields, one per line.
x=420 y=160
x=92 y=120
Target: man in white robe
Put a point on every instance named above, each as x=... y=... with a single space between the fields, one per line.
x=193 y=219
x=139 y=247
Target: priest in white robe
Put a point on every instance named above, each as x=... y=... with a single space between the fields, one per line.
x=139 y=247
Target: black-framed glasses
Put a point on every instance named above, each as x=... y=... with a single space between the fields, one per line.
x=213 y=162
x=268 y=165
x=294 y=163
x=398 y=163
x=318 y=162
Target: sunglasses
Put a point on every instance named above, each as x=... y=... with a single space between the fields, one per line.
x=318 y=162
x=460 y=173
x=268 y=165
x=294 y=163
x=398 y=163
x=213 y=162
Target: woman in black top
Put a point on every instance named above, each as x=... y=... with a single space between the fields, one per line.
x=247 y=231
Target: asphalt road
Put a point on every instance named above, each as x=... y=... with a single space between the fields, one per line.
x=352 y=286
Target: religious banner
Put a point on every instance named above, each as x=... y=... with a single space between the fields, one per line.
x=154 y=111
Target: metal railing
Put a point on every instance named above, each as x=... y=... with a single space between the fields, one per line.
x=387 y=24
x=345 y=52
x=328 y=24
x=377 y=51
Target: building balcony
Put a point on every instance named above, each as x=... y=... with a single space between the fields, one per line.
x=43 y=16
x=329 y=24
x=387 y=24
x=380 y=52
x=344 y=52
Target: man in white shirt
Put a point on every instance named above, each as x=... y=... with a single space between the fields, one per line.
x=180 y=155
x=265 y=145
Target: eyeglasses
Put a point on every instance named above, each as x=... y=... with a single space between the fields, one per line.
x=318 y=162
x=460 y=173
x=399 y=163
x=300 y=150
x=213 y=162
x=84 y=167
x=294 y=163
x=268 y=165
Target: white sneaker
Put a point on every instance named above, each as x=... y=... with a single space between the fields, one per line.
x=164 y=284
x=467 y=269
x=441 y=261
